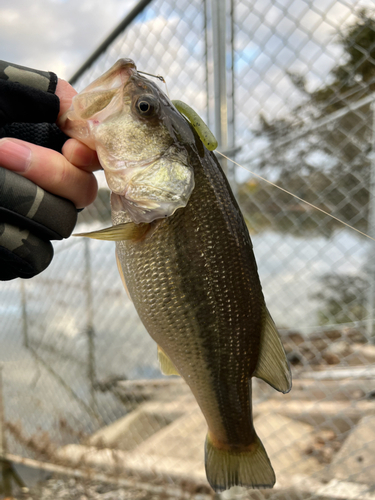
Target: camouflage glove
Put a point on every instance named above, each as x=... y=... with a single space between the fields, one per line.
x=29 y=216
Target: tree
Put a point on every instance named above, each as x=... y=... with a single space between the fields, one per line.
x=343 y=299
x=356 y=77
x=330 y=166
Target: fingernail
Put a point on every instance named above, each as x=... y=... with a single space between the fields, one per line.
x=14 y=155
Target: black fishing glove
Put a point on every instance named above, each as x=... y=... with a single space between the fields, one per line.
x=29 y=216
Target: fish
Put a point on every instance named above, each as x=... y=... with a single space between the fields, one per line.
x=186 y=259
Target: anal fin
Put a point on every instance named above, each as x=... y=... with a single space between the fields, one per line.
x=166 y=365
x=273 y=367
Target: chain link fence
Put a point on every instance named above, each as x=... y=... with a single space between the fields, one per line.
x=81 y=386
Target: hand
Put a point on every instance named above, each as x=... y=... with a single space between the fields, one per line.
x=40 y=188
x=69 y=175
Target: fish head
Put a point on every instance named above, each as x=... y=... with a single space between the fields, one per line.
x=140 y=139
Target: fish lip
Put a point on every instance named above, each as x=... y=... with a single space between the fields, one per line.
x=128 y=66
x=123 y=68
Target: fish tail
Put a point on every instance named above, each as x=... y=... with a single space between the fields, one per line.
x=227 y=467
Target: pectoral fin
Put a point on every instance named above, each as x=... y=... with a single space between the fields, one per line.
x=166 y=365
x=121 y=232
x=119 y=267
x=273 y=366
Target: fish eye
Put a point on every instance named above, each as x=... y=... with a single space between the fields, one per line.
x=146 y=106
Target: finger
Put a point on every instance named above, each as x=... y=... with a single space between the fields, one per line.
x=65 y=92
x=50 y=170
x=81 y=155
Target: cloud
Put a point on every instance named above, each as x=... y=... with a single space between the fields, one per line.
x=56 y=35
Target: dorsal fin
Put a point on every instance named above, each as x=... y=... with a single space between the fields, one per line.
x=273 y=366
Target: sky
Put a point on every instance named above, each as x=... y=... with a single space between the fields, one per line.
x=56 y=35
x=59 y=35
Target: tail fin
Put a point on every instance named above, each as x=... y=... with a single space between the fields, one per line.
x=250 y=468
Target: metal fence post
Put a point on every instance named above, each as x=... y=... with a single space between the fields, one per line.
x=218 y=9
x=91 y=370
x=24 y=314
x=371 y=232
x=3 y=447
x=223 y=63
x=219 y=55
x=5 y=482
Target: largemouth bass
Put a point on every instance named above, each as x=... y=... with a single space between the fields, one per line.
x=186 y=259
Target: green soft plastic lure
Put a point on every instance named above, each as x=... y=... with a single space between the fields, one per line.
x=205 y=134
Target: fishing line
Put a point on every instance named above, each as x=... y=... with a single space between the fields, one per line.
x=159 y=77
x=297 y=197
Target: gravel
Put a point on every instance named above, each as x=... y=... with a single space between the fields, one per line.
x=58 y=488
